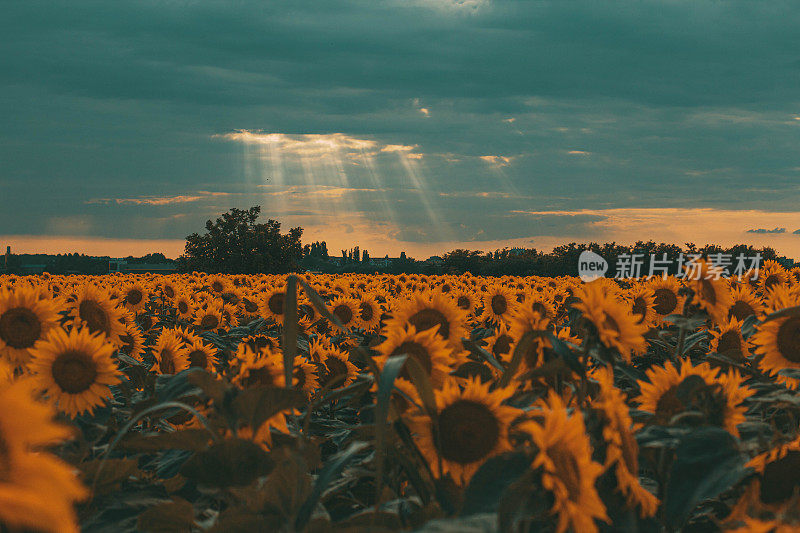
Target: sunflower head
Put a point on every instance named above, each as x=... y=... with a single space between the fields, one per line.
x=75 y=369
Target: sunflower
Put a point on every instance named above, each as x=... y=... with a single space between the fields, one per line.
x=501 y=344
x=75 y=370
x=37 y=490
x=132 y=341
x=208 y=316
x=778 y=342
x=251 y=306
x=431 y=310
x=93 y=308
x=369 y=312
x=744 y=303
x=728 y=341
x=169 y=289
x=336 y=370
x=564 y=455
x=25 y=318
x=616 y=327
x=774 y=488
x=427 y=348
x=257 y=342
x=316 y=350
x=346 y=310
x=780 y=297
x=202 y=355
x=672 y=391
x=217 y=284
x=666 y=298
x=259 y=368
x=621 y=449
x=305 y=376
x=641 y=299
x=184 y=306
x=170 y=353
x=711 y=294
x=135 y=297
x=472 y=427
x=499 y=303
x=273 y=304
x=540 y=302
x=524 y=321
x=465 y=300
x=772 y=274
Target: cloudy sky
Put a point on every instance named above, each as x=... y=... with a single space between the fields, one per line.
x=416 y=125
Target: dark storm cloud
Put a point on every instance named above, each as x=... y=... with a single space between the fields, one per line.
x=110 y=109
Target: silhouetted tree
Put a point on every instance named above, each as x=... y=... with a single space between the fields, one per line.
x=235 y=243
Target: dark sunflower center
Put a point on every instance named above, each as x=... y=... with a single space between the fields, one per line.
x=5 y=460
x=74 y=371
x=539 y=307
x=789 y=339
x=94 y=315
x=730 y=343
x=198 y=358
x=639 y=308
x=217 y=286
x=335 y=371
x=499 y=304
x=275 y=303
x=250 y=307
x=502 y=346
x=463 y=302
x=20 y=327
x=468 y=431
x=343 y=313
x=665 y=301
x=428 y=318
x=134 y=296
x=209 y=322
x=127 y=343
x=693 y=394
x=771 y=281
x=418 y=352
x=366 y=312
x=741 y=310
x=169 y=291
x=183 y=308
x=781 y=478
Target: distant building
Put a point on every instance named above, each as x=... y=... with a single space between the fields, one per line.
x=118 y=265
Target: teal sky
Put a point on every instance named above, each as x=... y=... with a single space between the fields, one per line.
x=416 y=125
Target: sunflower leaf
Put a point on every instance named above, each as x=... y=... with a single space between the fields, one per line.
x=231 y=463
x=328 y=474
x=392 y=368
x=707 y=462
x=494 y=476
x=256 y=405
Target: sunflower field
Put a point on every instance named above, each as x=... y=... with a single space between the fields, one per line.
x=308 y=402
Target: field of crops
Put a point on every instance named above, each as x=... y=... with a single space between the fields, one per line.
x=436 y=403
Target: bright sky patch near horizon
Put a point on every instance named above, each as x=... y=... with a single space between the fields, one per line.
x=400 y=125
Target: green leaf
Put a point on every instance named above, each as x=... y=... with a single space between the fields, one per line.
x=482 y=353
x=232 y=462
x=328 y=474
x=392 y=368
x=707 y=462
x=522 y=347
x=175 y=516
x=256 y=405
x=489 y=482
x=184 y=439
x=562 y=350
